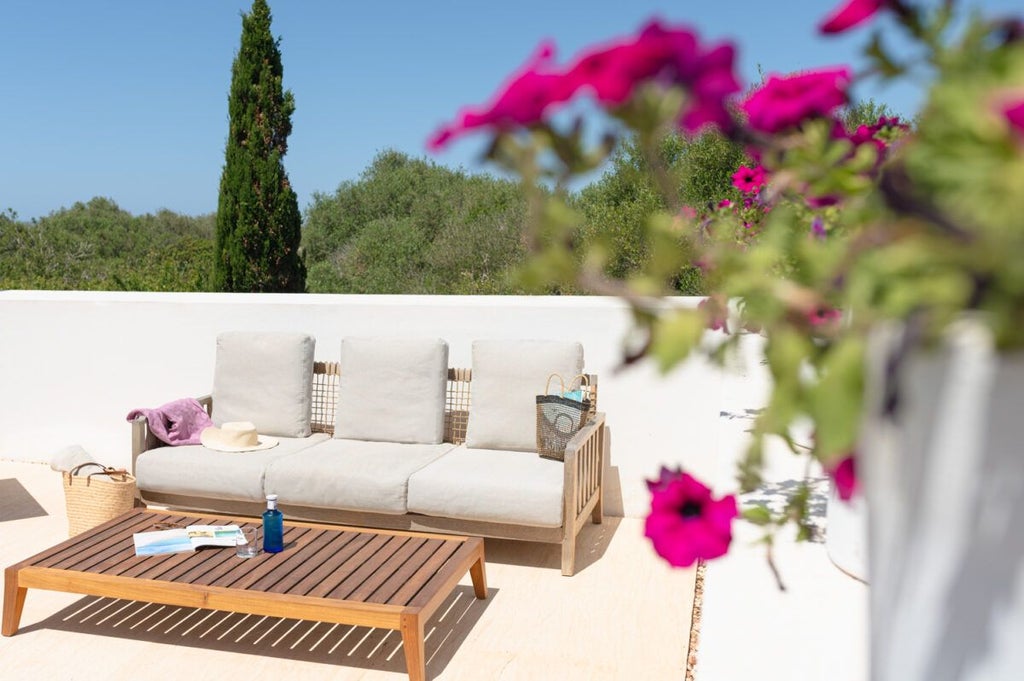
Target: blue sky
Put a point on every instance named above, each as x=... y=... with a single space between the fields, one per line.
x=128 y=98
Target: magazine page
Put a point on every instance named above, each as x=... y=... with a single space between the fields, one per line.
x=162 y=541
x=214 y=535
x=185 y=539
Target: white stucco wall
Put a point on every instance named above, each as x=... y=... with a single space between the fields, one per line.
x=73 y=364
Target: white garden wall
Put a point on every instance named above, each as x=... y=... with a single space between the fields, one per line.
x=73 y=364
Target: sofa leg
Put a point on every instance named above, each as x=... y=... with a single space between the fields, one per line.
x=569 y=554
x=598 y=513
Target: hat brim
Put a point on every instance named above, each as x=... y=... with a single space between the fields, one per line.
x=211 y=441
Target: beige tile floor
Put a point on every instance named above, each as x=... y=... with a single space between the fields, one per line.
x=624 y=615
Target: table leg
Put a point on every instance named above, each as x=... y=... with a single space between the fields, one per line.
x=14 y=602
x=412 y=642
x=479 y=577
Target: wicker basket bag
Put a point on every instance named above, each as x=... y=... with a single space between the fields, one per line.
x=98 y=497
x=559 y=417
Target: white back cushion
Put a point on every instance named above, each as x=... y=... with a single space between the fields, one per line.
x=392 y=390
x=266 y=378
x=507 y=377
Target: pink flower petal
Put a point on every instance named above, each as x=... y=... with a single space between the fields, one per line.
x=718 y=320
x=823 y=315
x=522 y=101
x=1014 y=113
x=669 y=55
x=844 y=476
x=786 y=101
x=851 y=14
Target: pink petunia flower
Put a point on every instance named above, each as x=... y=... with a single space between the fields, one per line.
x=844 y=477
x=850 y=14
x=1014 y=113
x=865 y=134
x=786 y=101
x=718 y=319
x=611 y=73
x=523 y=100
x=823 y=315
x=818 y=228
x=749 y=180
x=686 y=523
x=823 y=201
x=671 y=55
x=713 y=82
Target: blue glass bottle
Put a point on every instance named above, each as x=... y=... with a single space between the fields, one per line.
x=273 y=527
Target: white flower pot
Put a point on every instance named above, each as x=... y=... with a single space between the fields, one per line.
x=944 y=477
x=846 y=534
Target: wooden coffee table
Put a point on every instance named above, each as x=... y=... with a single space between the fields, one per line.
x=344 y=575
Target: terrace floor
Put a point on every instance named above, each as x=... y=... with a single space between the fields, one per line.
x=624 y=615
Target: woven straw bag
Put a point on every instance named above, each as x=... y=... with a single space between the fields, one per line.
x=94 y=499
x=559 y=418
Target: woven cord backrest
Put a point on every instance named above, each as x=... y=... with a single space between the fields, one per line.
x=325 y=396
x=456 y=404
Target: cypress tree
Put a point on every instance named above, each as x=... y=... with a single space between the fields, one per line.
x=258 y=221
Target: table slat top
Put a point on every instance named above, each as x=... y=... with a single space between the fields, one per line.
x=398 y=569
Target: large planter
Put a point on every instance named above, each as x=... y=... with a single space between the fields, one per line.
x=944 y=475
x=846 y=534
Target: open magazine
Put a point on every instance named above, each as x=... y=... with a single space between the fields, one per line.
x=181 y=539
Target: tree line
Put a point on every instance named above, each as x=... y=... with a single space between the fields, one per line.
x=99 y=246
x=407 y=225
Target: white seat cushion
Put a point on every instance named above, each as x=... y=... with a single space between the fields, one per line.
x=194 y=470
x=353 y=475
x=267 y=379
x=392 y=390
x=490 y=485
x=507 y=377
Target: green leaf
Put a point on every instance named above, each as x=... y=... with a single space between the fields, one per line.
x=749 y=469
x=787 y=351
x=835 y=401
x=758 y=515
x=880 y=56
x=675 y=336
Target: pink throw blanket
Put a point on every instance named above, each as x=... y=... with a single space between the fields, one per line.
x=177 y=423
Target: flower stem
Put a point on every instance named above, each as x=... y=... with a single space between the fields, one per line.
x=770 y=557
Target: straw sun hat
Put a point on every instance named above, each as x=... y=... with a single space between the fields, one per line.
x=236 y=436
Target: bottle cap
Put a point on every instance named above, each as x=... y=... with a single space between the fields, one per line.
x=271 y=497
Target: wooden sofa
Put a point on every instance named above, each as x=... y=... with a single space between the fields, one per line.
x=582 y=488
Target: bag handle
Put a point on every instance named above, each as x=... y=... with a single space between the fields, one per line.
x=107 y=470
x=547 y=386
x=584 y=381
x=580 y=393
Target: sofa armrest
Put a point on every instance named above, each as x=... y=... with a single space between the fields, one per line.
x=584 y=472
x=143 y=439
x=585 y=434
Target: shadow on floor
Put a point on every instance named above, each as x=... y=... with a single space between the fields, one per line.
x=302 y=640
x=591 y=544
x=16 y=503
